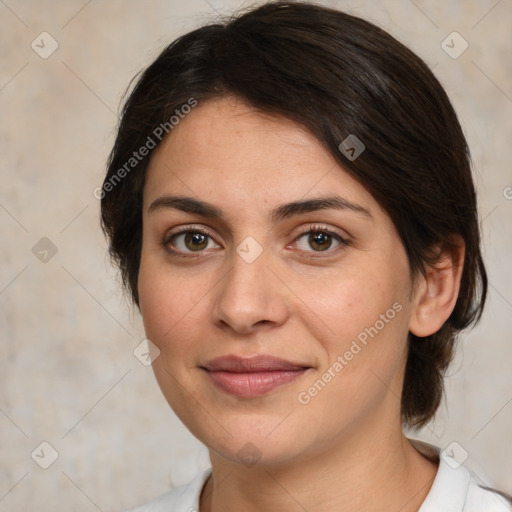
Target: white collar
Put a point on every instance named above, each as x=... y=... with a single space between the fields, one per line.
x=451 y=482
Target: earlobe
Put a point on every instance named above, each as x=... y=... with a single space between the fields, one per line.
x=437 y=291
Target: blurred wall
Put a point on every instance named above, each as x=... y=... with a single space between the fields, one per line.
x=68 y=375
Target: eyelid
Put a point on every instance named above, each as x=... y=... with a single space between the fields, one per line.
x=189 y=227
x=324 y=228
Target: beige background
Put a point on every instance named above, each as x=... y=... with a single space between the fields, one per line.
x=68 y=375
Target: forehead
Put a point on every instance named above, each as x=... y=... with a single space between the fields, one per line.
x=227 y=151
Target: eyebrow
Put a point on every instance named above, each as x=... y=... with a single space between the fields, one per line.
x=281 y=212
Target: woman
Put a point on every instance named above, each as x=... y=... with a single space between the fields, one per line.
x=290 y=202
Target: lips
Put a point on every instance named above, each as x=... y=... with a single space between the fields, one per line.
x=251 y=377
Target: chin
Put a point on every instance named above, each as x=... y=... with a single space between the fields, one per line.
x=250 y=450
x=262 y=439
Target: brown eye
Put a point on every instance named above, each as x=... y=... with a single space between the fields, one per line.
x=196 y=241
x=190 y=241
x=319 y=240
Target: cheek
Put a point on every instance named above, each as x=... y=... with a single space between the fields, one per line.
x=345 y=303
x=170 y=305
x=166 y=299
x=361 y=319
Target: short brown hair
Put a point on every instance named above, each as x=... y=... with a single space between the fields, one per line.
x=335 y=74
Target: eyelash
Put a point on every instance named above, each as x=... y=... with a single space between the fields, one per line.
x=313 y=228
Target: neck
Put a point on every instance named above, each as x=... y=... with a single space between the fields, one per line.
x=368 y=471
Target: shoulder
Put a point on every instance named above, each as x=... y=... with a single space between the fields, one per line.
x=456 y=488
x=184 y=498
x=480 y=498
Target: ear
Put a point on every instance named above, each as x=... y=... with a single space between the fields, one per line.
x=437 y=291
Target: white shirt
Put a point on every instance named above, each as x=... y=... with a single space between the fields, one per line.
x=455 y=489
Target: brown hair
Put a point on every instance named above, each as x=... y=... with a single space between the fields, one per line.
x=337 y=75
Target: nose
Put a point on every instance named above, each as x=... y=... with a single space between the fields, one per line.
x=250 y=296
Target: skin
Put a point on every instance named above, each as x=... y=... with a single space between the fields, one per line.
x=345 y=449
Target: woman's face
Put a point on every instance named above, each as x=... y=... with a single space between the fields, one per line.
x=270 y=334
